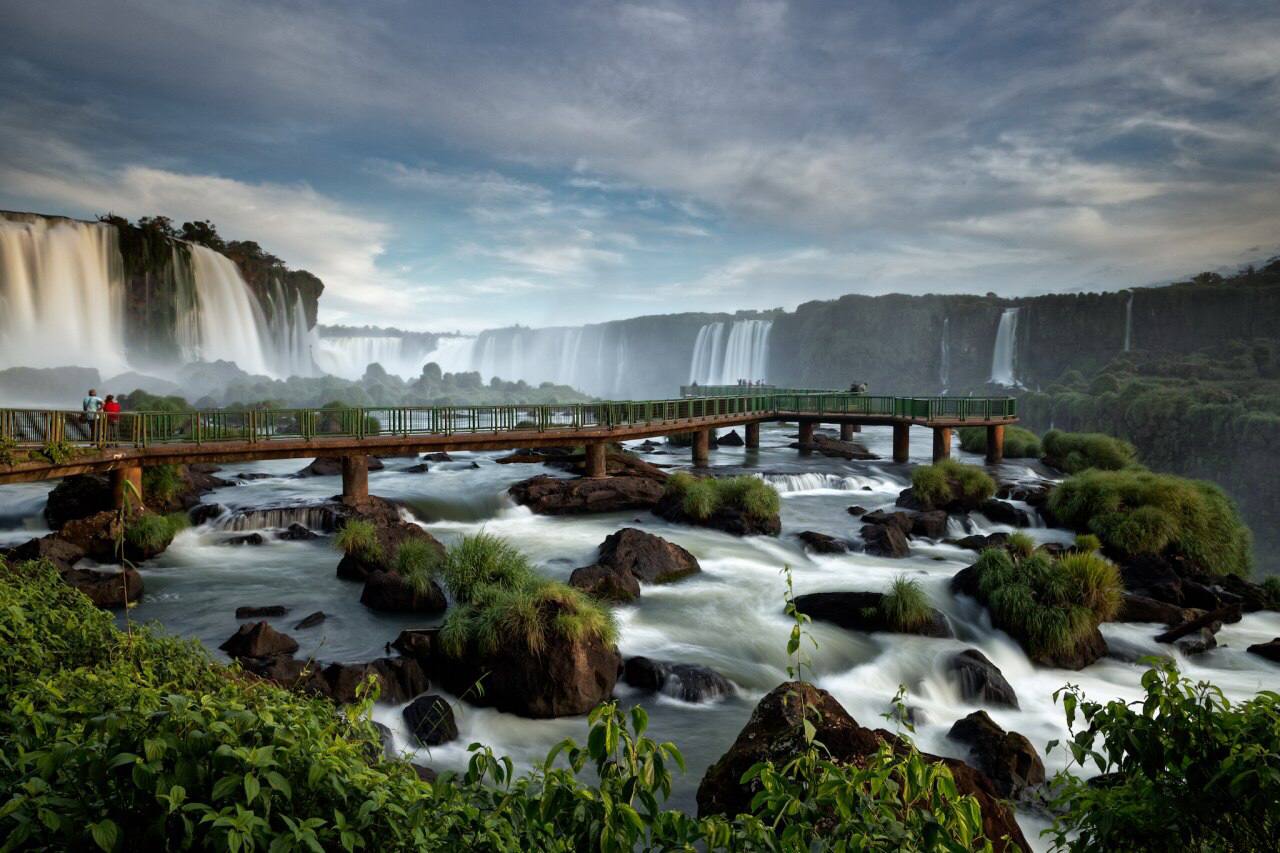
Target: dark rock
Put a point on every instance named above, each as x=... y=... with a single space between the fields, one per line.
x=270 y=610
x=775 y=733
x=860 y=611
x=730 y=439
x=61 y=553
x=1034 y=493
x=1153 y=577
x=388 y=592
x=1269 y=650
x=204 y=513
x=430 y=720
x=258 y=640
x=965 y=582
x=106 y=589
x=605 y=583
x=287 y=672
x=1007 y=758
x=247 y=539
x=297 y=533
x=77 y=497
x=1002 y=512
x=194 y=481
x=250 y=476
x=1212 y=620
x=436 y=457
x=547 y=495
x=728 y=519
x=392 y=532
x=420 y=468
x=386 y=739
x=904 y=521
x=331 y=466
x=981 y=680
x=930 y=525
x=425 y=774
x=651 y=559
x=885 y=540
x=834 y=448
x=1253 y=597
x=399 y=680
x=979 y=542
x=100 y=536
x=856 y=510
x=1197 y=642
x=1140 y=608
x=688 y=682
x=821 y=543
x=310 y=621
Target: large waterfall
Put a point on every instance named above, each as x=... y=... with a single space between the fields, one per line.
x=349 y=356
x=1004 y=353
x=725 y=360
x=1128 y=323
x=944 y=357
x=61 y=295
x=593 y=359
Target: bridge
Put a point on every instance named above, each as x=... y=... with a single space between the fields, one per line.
x=47 y=444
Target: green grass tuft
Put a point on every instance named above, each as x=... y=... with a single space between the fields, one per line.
x=1088 y=543
x=151 y=532
x=700 y=497
x=161 y=482
x=1020 y=544
x=1073 y=452
x=359 y=538
x=417 y=562
x=905 y=606
x=940 y=484
x=1019 y=443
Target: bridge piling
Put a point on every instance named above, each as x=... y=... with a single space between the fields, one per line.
x=355 y=479
x=596 y=465
x=995 y=444
x=121 y=494
x=901 y=442
x=806 y=437
x=753 y=435
x=941 y=443
x=701 y=447
x=847 y=431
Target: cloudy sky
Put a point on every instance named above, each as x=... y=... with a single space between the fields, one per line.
x=460 y=166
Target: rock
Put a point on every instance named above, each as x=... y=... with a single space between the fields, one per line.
x=688 y=682
x=547 y=495
x=287 y=672
x=730 y=439
x=390 y=593
x=728 y=519
x=420 y=468
x=965 y=582
x=99 y=536
x=204 y=513
x=106 y=589
x=1002 y=512
x=931 y=524
x=1007 y=758
x=604 y=583
x=193 y=482
x=247 y=539
x=77 y=497
x=425 y=774
x=250 y=476
x=1152 y=577
x=399 y=680
x=1197 y=642
x=61 y=553
x=860 y=611
x=775 y=733
x=1212 y=620
x=856 y=510
x=297 y=533
x=261 y=612
x=331 y=466
x=980 y=543
x=821 y=543
x=837 y=449
x=981 y=680
x=1253 y=597
x=903 y=521
x=651 y=559
x=1140 y=608
x=885 y=540
x=436 y=457
x=310 y=621
x=391 y=532
x=386 y=739
x=1269 y=650
x=430 y=720
x=258 y=640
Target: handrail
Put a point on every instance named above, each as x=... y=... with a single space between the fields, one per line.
x=43 y=428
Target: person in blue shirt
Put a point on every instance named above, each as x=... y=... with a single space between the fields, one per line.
x=91 y=405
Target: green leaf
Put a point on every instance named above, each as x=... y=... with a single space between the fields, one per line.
x=105 y=834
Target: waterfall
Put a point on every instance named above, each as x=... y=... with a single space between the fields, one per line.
x=944 y=359
x=453 y=355
x=1128 y=323
x=743 y=355
x=1004 y=352
x=227 y=321
x=61 y=295
x=350 y=356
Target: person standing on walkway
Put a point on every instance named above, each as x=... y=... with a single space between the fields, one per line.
x=91 y=405
x=111 y=408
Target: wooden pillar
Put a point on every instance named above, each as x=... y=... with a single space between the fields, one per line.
x=355 y=478
x=901 y=442
x=941 y=443
x=596 y=468
x=846 y=432
x=121 y=494
x=753 y=435
x=995 y=444
x=806 y=436
x=701 y=447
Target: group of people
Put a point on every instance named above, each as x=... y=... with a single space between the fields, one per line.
x=93 y=406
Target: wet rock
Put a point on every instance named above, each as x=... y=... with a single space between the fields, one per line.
x=688 y=682
x=856 y=510
x=386 y=739
x=297 y=533
x=61 y=553
x=980 y=680
x=310 y=620
x=1002 y=512
x=547 y=495
x=106 y=589
x=436 y=457
x=420 y=468
x=904 y=521
x=1007 y=758
x=247 y=539
x=268 y=611
x=728 y=519
x=930 y=525
x=605 y=583
x=258 y=640
x=978 y=542
x=775 y=733
x=425 y=773
x=730 y=439
x=430 y=720
x=1212 y=620
x=391 y=531
x=205 y=513
x=1153 y=577
x=399 y=680
x=885 y=540
x=1197 y=642
x=651 y=559
x=1140 y=608
x=834 y=448
x=100 y=537
x=860 y=611
x=253 y=475
x=1269 y=650
x=821 y=543
x=390 y=593
x=1253 y=597
x=331 y=466
x=77 y=497
x=194 y=481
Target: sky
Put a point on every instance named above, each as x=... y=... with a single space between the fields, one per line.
x=460 y=166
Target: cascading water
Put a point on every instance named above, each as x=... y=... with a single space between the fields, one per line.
x=1005 y=350
x=944 y=358
x=744 y=355
x=350 y=356
x=225 y=323
x=61 y=295
x=1128 y=323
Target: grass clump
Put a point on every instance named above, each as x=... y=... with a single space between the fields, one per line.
x=1073 y=452
x=700 y=497
x=1088 y=543
x=1020 y=544
x=150 y=532
x=905 y=606
x=947 y=482
x=502 y=603
x=1136 y=512
x=1271 y=588
x=161 y=482
x=417 y=562
x=1019 y=443
x=1049 y=605
x=359 y=538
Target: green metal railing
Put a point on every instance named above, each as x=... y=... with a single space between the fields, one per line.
x=43 y=428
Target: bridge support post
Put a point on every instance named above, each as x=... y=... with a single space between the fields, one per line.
x=355 y=479
x=995 y=444
x=806 y=436
x=753 y=435
x=701 y=447
x=847 y=431
x=901 y=442
x=121 y=494
x=596 y=468
x=941 y=443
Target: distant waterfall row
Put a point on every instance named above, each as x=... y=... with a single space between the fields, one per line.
x=349 y=356
x=726 y=359
x=63 y=293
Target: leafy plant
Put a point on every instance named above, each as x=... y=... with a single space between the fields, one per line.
x=359 y=538
x=945 y=482
x=905 y=606
x=1073 y=452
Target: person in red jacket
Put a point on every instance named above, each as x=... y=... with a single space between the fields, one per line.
x=111 y=408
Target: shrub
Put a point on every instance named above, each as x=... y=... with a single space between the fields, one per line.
x=1073 y=452
x=1019 y=443
x=948 y=481
x=161 y=482
x=905 y=606
x=700 y=497
x=417 y=562
x=1181 y=763
x=148 y=531
x=1020 y=544
x=359 y=538
x=1088 y=543
x=1271 y=588
x=1136 y=512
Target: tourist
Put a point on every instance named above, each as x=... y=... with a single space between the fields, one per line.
x=91 y=405
x=111 y=407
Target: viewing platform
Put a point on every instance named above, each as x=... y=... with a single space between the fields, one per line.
x=46 y=444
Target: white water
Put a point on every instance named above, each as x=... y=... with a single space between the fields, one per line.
x=944 y=358
x=1004 y=352
x=224 y=322
x=61 y=295
x=743 y=355
x=348 y=357
x=1128 y=323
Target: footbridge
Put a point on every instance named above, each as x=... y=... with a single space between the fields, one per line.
x=47 y=444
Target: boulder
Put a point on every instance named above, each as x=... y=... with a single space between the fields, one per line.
x=605 y=583
x=836 y=449
x=60 y=552
x=980 y=680
x=1253 y=596
x=821 y=543
x=547 y=495
x=205 y=513
x=903 y=521
x=885 y=540
x=310 y=621
x=250 y=612
x=651 y=559
x=430 y=720
x=297 y=533
x=247 y=539
x=728 y=519
x=775 y=733
x=420 y=468
x=1153 y=577
x=1003 y=512
x=99 y=536
x=331 y=466
x=978 y=542
x=688 y=682
x=194 y=481
x=860 y=611
x=77 y=497
x=1007 y=758
x=392 y=532
x=106 y=589
x=399 y=680
x=857 y=511
x=931 y=524
x=730 y=439
x=436 y=457
x=1269 y=650
x=1140 y=608
x=258 y=640
x=1197 y=642
x=390 y=593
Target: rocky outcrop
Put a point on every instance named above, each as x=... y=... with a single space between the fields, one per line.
x=310 y=620
x=297 y=533
x=688 y=682
x=604 y=583
x=1269 y=650
x=1140 y=608
x=885 y=540
x=430 y=720
x=651 y=559
x=821 y=543
x=860 y=611
x=60 y=552
x=1007 y=758
x=258 y=640
x=775 y=733
x=980 y=680
x=836 y=449
x=1003 y=512
x=106 y=589
x=398 y=679
x=730 y=439
x=390 y=593
x=547 y=495
x=77 y=497
x=391 y=530
x=729 y=519
x=978 y=542
x=100 y=536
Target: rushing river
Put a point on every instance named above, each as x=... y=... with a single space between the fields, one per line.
x=729 y=617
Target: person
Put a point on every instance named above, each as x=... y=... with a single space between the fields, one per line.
x=111 y=406
x=91 y=405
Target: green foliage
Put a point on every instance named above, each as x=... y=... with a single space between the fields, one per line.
x=1271 y=588
x=700 y=497
x=1181 y=763
x=1136 y=512
x=1073 y=452
x=143 y=401
x=1020 y=544
x=148 y=531
x=417 y=562
x=161 y=482
x=1088 y=543
x=359 y=538
x=1019 y=443
x=905 y=606
x=944 y=482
